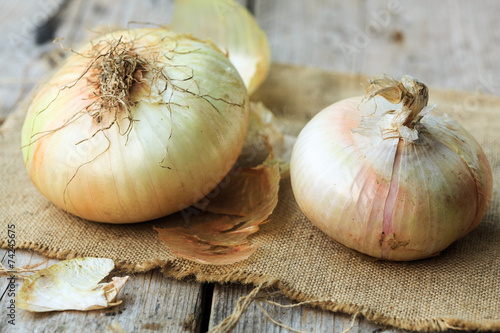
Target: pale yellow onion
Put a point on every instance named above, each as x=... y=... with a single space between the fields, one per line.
x=396 y=194
x=231 y=27
x=182 y=141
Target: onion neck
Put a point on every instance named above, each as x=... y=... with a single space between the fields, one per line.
x=415 y=96
x=410 y=96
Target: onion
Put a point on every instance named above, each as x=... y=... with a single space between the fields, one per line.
x=233 y=29
x=388 y=176
x=136 y=125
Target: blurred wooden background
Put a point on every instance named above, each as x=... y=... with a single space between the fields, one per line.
x=446 y=44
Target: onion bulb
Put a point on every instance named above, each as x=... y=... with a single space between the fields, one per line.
x=136 y=125
x=233 y=29
x=388 y=176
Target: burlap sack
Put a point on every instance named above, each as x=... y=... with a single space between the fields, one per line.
x=460 y=288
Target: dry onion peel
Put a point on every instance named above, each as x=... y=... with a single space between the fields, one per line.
x=231 y=27
x=71 y=285
x=248 y=190
x=267 y=126
x=389 y=176
x=242 y=194
x=242 y=201
x=224 y=239
x=137 y=125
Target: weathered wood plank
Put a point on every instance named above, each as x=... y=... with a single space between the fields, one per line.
x=151 y=302
x=443 y=44
x=446 y=44
x=303 y=318
x=18 y=23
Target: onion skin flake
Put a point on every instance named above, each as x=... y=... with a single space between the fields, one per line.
x=224 y=240
x=71 y=285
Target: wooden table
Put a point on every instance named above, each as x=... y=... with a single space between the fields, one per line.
x=446 y=44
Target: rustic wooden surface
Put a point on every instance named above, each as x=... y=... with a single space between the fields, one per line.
x=447 y=44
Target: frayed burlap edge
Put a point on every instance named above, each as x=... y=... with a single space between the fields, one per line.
x=177 y=269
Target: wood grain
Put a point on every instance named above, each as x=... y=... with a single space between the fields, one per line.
x=303 y=318
x=446 y=44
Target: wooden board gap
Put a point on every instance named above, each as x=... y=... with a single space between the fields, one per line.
x=207 y=293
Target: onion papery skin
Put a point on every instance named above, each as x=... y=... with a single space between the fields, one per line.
x=349 y=183
x=185 y=136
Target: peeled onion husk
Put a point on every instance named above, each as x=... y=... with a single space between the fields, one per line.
x=71 y=284
x=387 y=180
x=171 y=130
